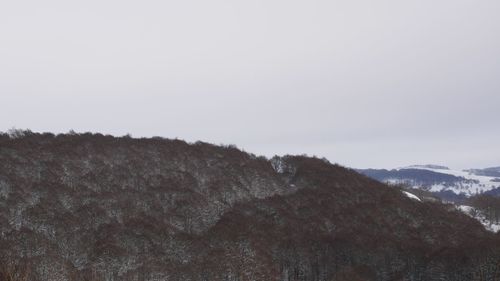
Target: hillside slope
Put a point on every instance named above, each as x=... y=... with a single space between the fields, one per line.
x=446 y=183
x=75 y=207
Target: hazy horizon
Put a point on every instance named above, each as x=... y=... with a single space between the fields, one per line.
x=365 y=84
x=268 y=155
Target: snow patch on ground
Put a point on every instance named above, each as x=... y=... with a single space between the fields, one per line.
x=412 y=196
x=476 y=214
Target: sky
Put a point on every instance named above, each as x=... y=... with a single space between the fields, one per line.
x=363 y=83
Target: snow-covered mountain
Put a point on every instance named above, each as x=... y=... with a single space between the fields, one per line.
x=473 y=183
x=441 y=180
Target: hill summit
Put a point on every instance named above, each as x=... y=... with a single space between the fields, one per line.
x=95 y=207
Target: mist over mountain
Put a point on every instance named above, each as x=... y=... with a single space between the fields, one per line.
x=430 y=166
x=95 y=207
x=490 y=172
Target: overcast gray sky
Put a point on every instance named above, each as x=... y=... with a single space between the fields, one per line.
x=364 y=83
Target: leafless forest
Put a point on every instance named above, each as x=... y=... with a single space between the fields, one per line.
x=95 y=207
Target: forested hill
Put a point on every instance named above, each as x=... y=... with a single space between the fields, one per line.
x=95 y=207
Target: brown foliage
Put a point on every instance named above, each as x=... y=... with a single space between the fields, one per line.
x=14 y=271
x=139 y=209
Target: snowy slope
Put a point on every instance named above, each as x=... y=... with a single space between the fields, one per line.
x=442 y=181
x=411 y=196
x=474 y=213
x=473 y=184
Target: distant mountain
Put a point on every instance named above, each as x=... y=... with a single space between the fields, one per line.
x=429 y=166
x=489 y=172
x=415 y=177
x=445 y=182
x=94 y=207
